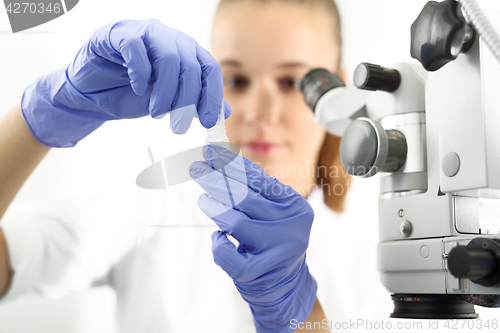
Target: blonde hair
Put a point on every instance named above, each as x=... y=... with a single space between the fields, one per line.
x=331 y=176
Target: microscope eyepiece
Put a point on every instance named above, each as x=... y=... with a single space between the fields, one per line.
x=318 y=82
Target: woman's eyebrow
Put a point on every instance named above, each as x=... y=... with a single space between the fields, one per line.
x=292 y=65
x=232 y=63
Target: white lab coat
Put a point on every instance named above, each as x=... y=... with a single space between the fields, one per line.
x=154 y=249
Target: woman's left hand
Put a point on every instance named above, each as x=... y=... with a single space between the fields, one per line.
x=272 y=223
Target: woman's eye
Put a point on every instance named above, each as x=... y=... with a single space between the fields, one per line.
x=237 y=82
x=289 y=84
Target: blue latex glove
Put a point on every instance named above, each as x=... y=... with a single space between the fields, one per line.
x=127 y=69
x=272 y=223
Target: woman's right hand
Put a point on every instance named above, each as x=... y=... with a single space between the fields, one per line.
x=127 y=69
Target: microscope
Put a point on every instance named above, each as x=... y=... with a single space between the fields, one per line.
x=432 y=134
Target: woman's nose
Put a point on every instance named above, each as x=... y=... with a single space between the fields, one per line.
x=263 y=106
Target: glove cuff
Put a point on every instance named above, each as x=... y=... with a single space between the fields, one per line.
x=49 y=103
x=295 y=304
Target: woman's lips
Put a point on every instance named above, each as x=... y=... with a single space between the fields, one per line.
x=262 y=147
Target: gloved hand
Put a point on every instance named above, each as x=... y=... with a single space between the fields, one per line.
x=127 y=69
x=272 y=223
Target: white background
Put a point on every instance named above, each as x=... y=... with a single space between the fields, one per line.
x=376 y=31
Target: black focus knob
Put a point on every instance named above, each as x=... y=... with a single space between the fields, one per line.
x=479 y=261
x=473 y=263
x=439 y=34
x=318 y=82
x=374 y=77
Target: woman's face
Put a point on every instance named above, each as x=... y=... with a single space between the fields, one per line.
x=265 y=50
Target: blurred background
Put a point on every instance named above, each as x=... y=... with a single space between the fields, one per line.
x=376 y=31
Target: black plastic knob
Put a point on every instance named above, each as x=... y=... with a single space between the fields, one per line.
x=374 y=77
x=318 y=82
x=479 y=261
x=473 y=263
x=439 y=34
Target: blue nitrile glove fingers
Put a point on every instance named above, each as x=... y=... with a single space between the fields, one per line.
x=227 y=109
x=212 y=88
x=136 y=59
x=180 y=58
x=127 y=69
x=164 y=57
x=247 y=197
x=180 y=119
x=272 y=223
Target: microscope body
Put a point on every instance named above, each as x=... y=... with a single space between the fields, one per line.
x=447 y=193
x=448 y=190
x=432 y=133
